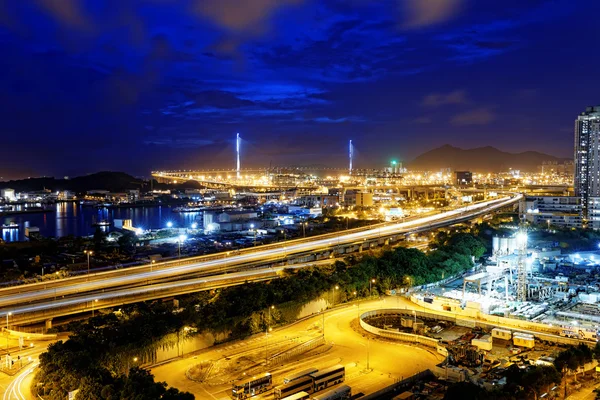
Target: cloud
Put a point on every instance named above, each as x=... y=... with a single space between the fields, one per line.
x=423 y=13
x=241 y=15
x=478 y=116
x=442 y=99
x=68 y=12
x=177 y=143
x=327 y=120
x=422 y=120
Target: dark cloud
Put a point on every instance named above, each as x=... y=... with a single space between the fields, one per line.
x=143 y=81
x=442 y=99
x=478 y=116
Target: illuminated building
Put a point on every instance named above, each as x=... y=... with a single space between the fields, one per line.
x=463 y=178
x=356 y=198
x=564 y=211
x=587 y=164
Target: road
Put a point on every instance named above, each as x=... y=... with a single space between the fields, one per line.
x=388 y=361
x=141 y=283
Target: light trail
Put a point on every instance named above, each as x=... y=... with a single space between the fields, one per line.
x=13 y=390
x=145 y=276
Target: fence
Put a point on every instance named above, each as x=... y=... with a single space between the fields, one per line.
x=300 y=349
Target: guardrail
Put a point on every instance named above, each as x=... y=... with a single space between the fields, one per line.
x=400 y=336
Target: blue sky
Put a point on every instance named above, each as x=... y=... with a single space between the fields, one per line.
x=148 y=84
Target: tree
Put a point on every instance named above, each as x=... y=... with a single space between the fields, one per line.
x=126 y=242
x=465 y=390
x=99 y=239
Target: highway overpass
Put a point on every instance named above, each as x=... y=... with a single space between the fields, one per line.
x=26 y=304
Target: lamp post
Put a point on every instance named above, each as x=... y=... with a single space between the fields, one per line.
x=152 y=264
x=371 y=282
x=415 y=323
x=303 y=229
x=7 y=315
x=267 y=330
x=181 y=240
x=89 y=253
x=95 y=301
x=336 y=287
x=254 y=232
x=548 y=221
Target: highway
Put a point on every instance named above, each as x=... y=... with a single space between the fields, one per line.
x=110 y=288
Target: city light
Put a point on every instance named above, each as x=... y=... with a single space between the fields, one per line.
x=169 y=224
x=182 y=238
x=194 y=226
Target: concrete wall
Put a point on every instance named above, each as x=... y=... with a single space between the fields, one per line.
x=488 y=322
x=400 y=336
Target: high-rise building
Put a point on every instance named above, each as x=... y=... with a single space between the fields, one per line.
x=587 y=164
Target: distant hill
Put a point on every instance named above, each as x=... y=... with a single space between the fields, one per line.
x=481 y=159
x=105 y=180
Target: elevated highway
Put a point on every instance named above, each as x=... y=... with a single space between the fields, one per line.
x=36 y=302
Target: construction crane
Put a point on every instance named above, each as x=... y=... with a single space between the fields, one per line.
x=522 y=265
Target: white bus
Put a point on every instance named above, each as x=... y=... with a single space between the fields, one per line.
x=342 y=393
x=298 y=396
x=302 y=384
x=328 y=377
x=300 y=374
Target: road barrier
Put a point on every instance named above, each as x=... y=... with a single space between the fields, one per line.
x=297 y=350
x=400 y=336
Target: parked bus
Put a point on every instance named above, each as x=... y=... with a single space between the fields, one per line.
x=252 y=386
x=328 y=377
x=342 y=393
x=303 y=384
x=298 y=396
x=579 y=333
x=300 y=374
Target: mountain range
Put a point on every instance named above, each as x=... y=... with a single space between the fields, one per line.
x=480 y=159
x=104 y=180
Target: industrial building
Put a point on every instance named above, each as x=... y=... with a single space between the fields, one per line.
x=235 y=220
x=463 y=178
x=356 y=198
x=563 y=211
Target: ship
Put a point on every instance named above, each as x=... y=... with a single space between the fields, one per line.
x=101 y=223
x=10 y=225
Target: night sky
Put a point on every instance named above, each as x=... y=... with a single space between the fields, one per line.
x=141 y=85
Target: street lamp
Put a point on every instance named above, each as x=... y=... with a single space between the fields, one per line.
x=267 y=330
x=152 y=264
x=89 y=253
x=169 y=224
x=7 y=315
x=254 y=232
x=548 y=221
x=180 y=240
x=95 y=301
x=194 y=226
x=335 y=290
x=371 y=282
x=304 y=229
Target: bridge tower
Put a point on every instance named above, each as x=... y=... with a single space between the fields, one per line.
x=350 y=156
x=237 y=153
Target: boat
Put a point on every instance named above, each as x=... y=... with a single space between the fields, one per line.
x=187 y=209
x=10 y=225
x=101 y=223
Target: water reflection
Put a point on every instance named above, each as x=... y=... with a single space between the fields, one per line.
x=74 y=219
